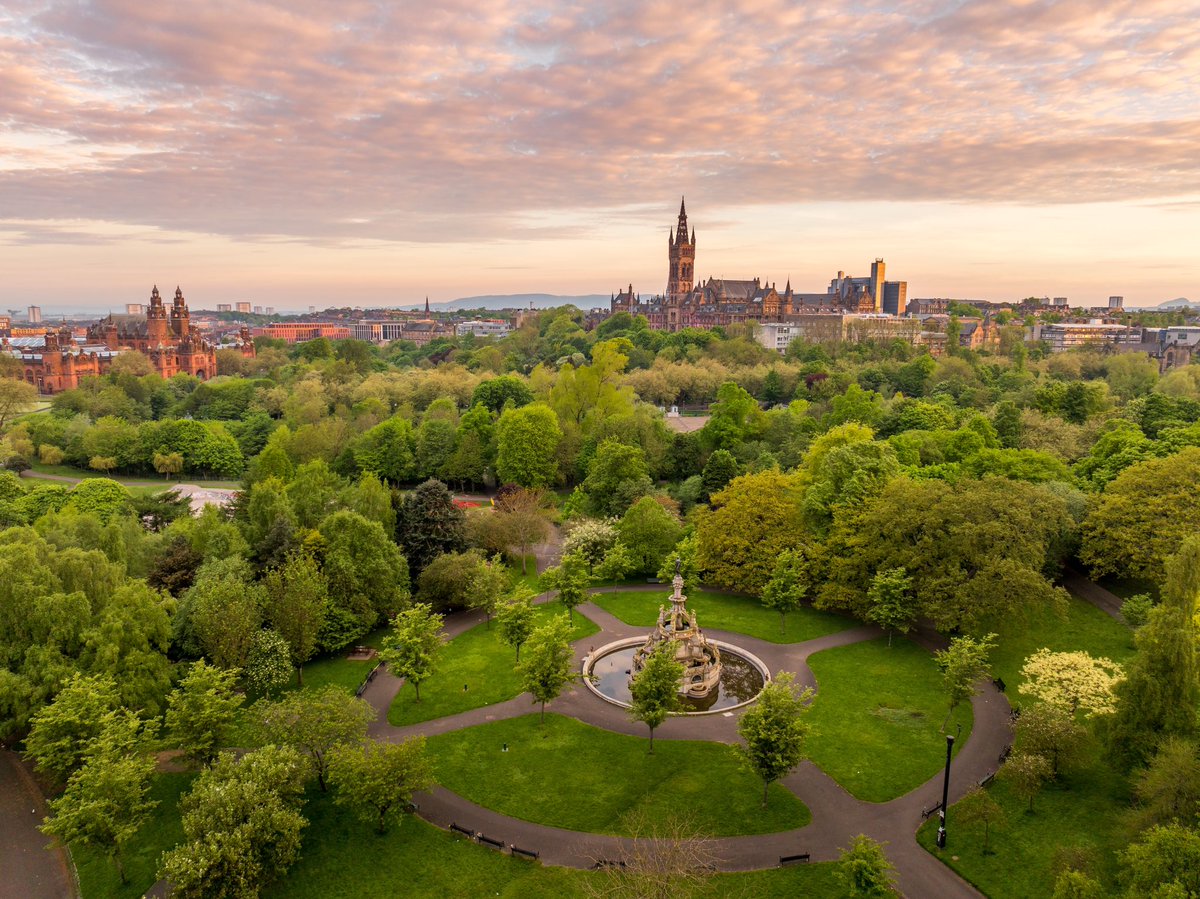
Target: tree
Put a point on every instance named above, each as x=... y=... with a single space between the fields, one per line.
x=226 y=613
x=590 y=539
x=367 y=574
x=1158 y=696
x=100 y=496
x=963 y=664
x=1026 y=773
x=719 y=470
x=1136 y=609
x=296 y=597
x=549 y=662
x=63 y=733
x=448 y=582
x=411 y=650
x=979 y=808
x=377 y=780
x=524 y=519
x=316 y=723
x=667 y=857
x=106 y=802
x=1143 y=516
x=1073 y=681
x=750 y=523
x=1051 y=731
x=201 y=711
x=1072 y=884
x=15 y=397
x=313 y=493
x=864 y=868
x=788 y=585
x=496 y=393
x=617 y=476
x=371 y=499
x=1007 y=420
x=649 y=532
x=268 y=663
x=892 y=604
x=1164 y=862
x=1169 y=788
x=685 y=553
x=654 y=691
x=429 y=524
x=570 y=578
x=488 y=580
x=167 y=464
x=514 y=619
x=774 y=730
x=241 y=826
x=526 y=446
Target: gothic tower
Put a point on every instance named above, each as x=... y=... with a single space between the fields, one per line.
x=682 y=255
x=156 y=320
x=180 y=318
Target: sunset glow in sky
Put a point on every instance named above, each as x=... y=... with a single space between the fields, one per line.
x=369 y=153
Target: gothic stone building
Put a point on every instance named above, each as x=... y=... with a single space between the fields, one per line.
x=719 y=301
x=58 y=361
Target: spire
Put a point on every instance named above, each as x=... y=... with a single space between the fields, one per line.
x=427 y=305
x=693 y=233
x=682 y=209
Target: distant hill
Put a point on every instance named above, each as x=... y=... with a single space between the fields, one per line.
x=516 y=301
x=1177 y=303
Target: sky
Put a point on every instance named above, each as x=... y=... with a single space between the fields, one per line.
x=302 y=153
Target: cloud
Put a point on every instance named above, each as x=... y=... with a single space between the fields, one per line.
x=463 y=121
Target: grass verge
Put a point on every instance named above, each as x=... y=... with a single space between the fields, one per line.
x=725 y=612
x=571 y=775
x=877 y=716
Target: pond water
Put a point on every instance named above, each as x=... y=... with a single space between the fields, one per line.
x=740 y=682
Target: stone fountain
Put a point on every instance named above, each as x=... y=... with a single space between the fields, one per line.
x=677 y=627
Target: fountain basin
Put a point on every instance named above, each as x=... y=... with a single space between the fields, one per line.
x=743 y=675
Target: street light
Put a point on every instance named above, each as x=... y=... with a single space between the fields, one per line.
x=941 y=834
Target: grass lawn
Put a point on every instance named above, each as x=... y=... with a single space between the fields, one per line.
x=343 y=858
x=98 y=875
x=725 y=612
x=876 y=718
x=335 y=668
x=480 y=660
x=571 y=775
x=1085 y=628
x=151 y=483
x=1085 y=809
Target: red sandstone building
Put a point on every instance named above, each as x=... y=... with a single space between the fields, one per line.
x=58 y=361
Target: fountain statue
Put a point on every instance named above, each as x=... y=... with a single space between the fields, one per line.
x=701 y=660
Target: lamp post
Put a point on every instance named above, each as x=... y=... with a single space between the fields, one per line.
x=941 y=834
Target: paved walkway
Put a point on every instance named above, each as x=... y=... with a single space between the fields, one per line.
x=29 y=868
x=1079 y=584
x=837 y=816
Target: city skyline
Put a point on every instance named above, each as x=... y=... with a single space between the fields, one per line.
x=294 y=156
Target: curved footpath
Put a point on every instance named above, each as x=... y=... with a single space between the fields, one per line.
x=33 y=867
x=837 y=817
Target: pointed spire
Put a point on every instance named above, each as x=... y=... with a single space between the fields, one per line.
x=426 y=304
x=693 y=233
x=682 y=209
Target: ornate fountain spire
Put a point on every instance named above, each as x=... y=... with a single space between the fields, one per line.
x=701 y=660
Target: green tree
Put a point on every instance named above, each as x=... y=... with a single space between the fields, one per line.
x=617 y=477
x=412 y=649
x=685 y=553
x=201 y=711
x=523 y=519
x=751 y=522
x=526 y=446
x=719 y=470
x=167 y=464
x=774 y=730
x=1158 y=696
x=864 y=868
x=106 y=802
x=435 y=445
x=963 y=664
x=316 y=723
x=978 y=808
x=226 y=614
x=788 y=586
x=268 y=663
x=496 y=393
x=514 y=619
x=549 y=663
x=591 y=539
x=313 y=493
x=62 y=734
x=892 y=604
x=295 y=600
x=1051 y=731
x=267 y=503
x=15 y=397
x=1143 y=516
x=101 y=497
x=429 y=524
x=241 y=826
x=1168 y=789
x=448 y=582
x=1164 y=862
x=378 y=780
x=1072 y=884
x=570 y=578
x=389 y=450
x=489 y=580
x=649 y=532
x=367 y=575
x=1073 y=681
x=1026 y=773
x=654 y=690
x=1007 y=420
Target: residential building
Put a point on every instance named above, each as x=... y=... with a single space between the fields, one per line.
x=483 y=328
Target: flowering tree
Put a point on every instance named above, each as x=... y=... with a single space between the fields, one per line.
x=1072 y=681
